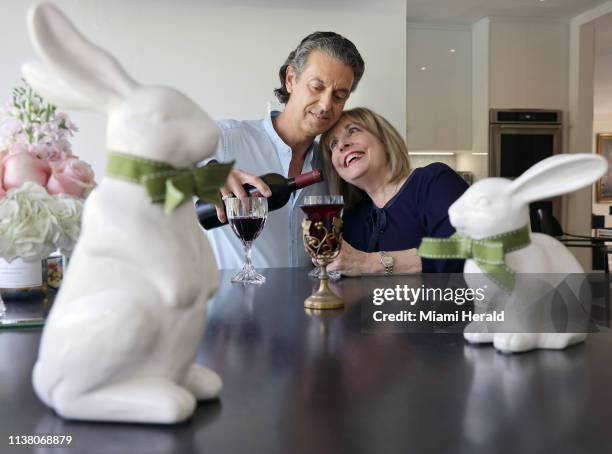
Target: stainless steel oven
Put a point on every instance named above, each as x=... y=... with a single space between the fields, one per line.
x=519 y=138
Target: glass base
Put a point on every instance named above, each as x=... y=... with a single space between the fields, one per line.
x=316 y=271
x=248 y=276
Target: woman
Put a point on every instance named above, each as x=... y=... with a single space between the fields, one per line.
x=389 y=207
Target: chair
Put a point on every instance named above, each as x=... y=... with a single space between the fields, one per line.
x=549 y=225
x=600 y=283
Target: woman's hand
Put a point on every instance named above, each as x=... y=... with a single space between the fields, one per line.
x=352 y=262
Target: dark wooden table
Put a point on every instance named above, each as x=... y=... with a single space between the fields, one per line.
x=301 y=383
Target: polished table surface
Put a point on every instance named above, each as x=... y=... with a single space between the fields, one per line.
x=296 y=382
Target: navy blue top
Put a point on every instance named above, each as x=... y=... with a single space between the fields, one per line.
x=419 y=209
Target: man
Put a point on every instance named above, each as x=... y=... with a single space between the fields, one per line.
x=316 y=81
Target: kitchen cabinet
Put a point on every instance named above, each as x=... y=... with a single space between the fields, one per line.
x=528 y=65
x=439 y=87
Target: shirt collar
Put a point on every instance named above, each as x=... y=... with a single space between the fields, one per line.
x=278 y=142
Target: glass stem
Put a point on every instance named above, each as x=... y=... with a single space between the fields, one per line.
x=248 y=265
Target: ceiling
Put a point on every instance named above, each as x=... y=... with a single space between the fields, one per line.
x=470 y=11
x=439 y=11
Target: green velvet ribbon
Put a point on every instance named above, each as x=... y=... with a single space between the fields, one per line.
x=167 y=184
x=488 y=253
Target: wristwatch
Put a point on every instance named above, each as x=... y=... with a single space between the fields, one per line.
x=387 y=261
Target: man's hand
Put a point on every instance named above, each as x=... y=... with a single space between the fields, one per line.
x=233 y=187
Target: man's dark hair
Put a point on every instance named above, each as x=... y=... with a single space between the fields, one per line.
x=332 y=44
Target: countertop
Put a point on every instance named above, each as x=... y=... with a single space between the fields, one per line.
x=296 y=382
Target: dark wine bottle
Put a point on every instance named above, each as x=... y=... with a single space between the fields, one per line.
x=281 y=188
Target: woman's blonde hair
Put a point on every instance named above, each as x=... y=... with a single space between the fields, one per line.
x=394 y=145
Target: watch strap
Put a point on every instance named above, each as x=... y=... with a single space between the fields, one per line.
x=387 y=262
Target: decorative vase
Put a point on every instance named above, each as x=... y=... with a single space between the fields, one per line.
x=56 y=267
x=20 y=278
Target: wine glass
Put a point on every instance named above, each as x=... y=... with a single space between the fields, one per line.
x=247 y=217
x=323 y=240
x=313 y=200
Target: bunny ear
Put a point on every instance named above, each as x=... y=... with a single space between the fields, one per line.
x=92 y=72
x=558 y=175
x=51 y=88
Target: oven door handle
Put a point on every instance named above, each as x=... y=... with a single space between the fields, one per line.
x=559 y=127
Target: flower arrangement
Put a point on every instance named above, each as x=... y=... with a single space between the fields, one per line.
x=42 y=184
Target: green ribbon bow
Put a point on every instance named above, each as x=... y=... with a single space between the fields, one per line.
x=167 y=184
x=488 y=252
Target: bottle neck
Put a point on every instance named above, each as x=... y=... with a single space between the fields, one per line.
x=306 y=179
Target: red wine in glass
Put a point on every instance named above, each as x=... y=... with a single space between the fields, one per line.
x=247 y=217
x=324 y=213
x=247 y=228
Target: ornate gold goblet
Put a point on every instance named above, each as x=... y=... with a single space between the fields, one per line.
x=322 y=234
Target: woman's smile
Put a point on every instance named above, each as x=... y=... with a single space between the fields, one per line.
x=353 y=157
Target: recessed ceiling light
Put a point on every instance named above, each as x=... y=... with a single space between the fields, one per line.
x=423 y=68
x=452 y=51
x=542 y=1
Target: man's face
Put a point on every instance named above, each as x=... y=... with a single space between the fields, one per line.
x=318 y=95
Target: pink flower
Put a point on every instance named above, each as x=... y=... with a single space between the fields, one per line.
x=19 y=147
x=72 y=177
x=24 y=166
x=2 y=155
x=48 y=152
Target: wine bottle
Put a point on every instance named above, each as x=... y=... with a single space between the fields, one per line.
x=281 y=188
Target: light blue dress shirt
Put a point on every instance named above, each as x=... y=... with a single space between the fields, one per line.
x=257 y=149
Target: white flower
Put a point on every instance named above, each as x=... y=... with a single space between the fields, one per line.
x=67 y=212
x=33 y=223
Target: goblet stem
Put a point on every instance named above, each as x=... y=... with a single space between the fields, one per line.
x=247 y=274
x=323 y=276
x=324 y=281
x=248 y=264
x=2 y=306
x=324 y=298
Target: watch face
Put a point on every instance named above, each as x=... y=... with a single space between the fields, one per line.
x=387 y=260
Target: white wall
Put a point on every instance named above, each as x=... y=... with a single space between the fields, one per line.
x=477 y=164
x=422 y=161
x=225 y=57
x=480 y=86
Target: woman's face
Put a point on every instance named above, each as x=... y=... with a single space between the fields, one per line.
x=358 y=155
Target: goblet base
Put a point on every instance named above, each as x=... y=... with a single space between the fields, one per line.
x=248 y=277
x=322 y=300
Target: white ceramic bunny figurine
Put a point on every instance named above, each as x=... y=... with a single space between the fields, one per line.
x=123 y=333
x=495 y=206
